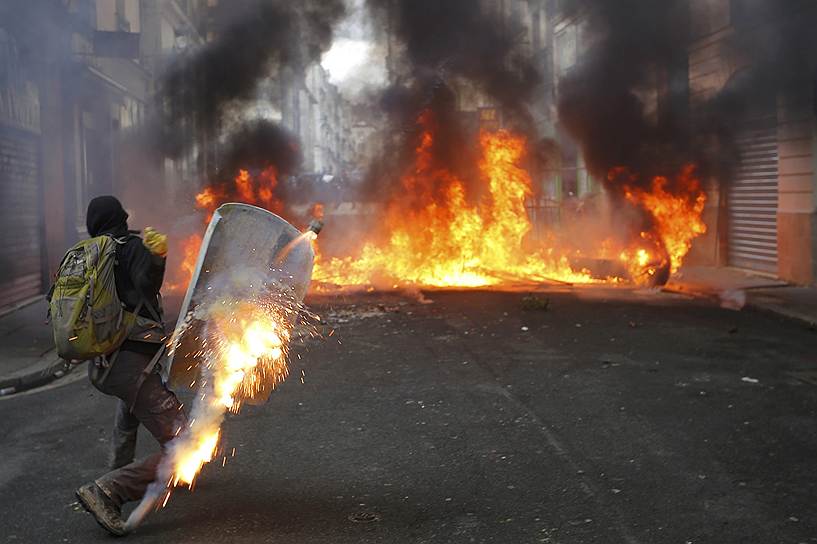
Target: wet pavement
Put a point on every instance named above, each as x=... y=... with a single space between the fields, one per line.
x=588 y=415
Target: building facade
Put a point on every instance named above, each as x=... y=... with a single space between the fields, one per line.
x=74 y=77
x=315 y=111
x=764 y=218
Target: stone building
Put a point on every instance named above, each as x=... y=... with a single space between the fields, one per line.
x=74 y=76
x=318 y=114
x=763 y=219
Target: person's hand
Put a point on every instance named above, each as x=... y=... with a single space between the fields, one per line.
x=155 y=242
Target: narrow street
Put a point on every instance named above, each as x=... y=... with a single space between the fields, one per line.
x=571 y=416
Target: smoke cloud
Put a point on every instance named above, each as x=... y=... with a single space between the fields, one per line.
x=259 y=145
x=443 y=48
x=254 y=40
x=602 y=101
x=462 y=38
x=641 y=44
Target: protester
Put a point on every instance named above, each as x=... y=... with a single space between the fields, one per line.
x=132 y=372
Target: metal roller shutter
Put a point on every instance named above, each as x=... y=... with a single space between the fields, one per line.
x=20 y=243
x=753 y=198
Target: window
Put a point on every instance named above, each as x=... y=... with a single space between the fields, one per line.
x=122 y=22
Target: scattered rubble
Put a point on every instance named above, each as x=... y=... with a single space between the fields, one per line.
x=533 y=302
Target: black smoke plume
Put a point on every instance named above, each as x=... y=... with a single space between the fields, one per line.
x=254 y=39
x=601 y=101
x=444 y=45
x=641 y=44
x=259 y=145
x=465 y=39
x=453 y=150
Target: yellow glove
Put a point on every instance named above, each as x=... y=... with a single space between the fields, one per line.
x=155 y=242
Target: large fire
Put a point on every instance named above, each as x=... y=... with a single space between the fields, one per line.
x=435 y=234
x=449 y=242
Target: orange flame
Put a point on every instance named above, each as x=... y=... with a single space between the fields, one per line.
x=259 y=191
x=317 y=211
x=449 y=242
x=675 y=208
x=182 y=274
x=434 y=233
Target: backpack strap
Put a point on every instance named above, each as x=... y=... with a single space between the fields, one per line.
x=148 y=370
x=154 y=313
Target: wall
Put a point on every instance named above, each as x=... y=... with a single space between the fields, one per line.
x=796 y=219
x=709 y=70
x=712 y=63
x=21 y=245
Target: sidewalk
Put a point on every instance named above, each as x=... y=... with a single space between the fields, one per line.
x=734 y=288
x=27 y=356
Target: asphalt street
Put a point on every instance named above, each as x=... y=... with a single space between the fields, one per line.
x=587 y=415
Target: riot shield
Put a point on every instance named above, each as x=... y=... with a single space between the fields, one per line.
x=246 y=245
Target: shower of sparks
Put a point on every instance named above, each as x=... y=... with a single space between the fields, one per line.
x=244 y=353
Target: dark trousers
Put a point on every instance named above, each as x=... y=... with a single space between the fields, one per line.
x=153 y=406
x=123 y=438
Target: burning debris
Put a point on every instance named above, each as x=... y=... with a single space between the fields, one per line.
x=674 y=209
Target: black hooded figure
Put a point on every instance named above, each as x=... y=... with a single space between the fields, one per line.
x=131 y=374
x=106 y=216
x=139 y=273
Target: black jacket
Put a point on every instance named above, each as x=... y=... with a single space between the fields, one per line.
x=138 y=271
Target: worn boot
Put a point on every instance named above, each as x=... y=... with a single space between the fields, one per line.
x=106 y=512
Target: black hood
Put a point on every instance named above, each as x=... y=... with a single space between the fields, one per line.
x=106 y=216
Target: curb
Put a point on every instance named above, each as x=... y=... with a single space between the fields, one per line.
x=6 y=310
x=35 y=379
x=808 y=320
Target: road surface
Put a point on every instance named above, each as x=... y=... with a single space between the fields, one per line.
x=609 y=416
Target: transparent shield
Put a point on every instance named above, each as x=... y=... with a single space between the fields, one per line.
x=245 y=250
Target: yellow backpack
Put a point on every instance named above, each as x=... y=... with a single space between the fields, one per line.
x=87 y=316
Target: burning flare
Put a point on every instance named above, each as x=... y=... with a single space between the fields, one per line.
x=244 y=353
